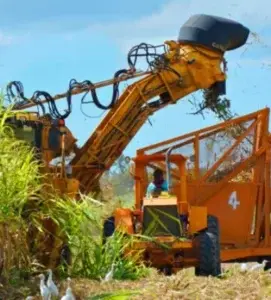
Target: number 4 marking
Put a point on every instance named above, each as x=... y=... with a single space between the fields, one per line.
x=233 y=201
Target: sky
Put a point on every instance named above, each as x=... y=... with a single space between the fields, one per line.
x=44 y=44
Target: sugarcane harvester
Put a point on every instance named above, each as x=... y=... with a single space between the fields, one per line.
x=218 y=191
x=195 y=61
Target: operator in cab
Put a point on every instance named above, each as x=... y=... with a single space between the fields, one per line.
x=158 y=185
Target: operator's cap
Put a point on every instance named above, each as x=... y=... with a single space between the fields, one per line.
x=61 y=122
x=157 y=172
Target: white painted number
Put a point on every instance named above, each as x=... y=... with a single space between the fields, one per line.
x=233 y=201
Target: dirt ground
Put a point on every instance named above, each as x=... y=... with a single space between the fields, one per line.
x=184 y=285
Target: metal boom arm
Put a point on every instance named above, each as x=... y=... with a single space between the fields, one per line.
x=185 y=69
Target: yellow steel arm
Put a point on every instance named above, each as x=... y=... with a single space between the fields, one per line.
x=198 y=67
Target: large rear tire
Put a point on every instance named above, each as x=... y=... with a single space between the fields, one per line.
x=209 y=250
x=213 y=227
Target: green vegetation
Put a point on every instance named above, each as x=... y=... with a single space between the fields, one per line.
x=81 y=222
x=19 y=181
x=23 y=202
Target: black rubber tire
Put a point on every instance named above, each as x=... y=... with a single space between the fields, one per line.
x=267 y=266
x=108 y=228
x=207 y=255
x=213 y=227
x=167 y=270
x=209 y=249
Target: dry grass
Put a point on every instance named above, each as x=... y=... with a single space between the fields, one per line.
x=184 y=285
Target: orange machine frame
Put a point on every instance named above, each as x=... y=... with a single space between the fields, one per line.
x=140 y=163
x=245 y=225
x=197 y=214
x=181 y=252
x=191 y=68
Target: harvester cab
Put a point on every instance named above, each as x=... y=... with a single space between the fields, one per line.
x=52 y=143
x=162 y=212
x=177 y=234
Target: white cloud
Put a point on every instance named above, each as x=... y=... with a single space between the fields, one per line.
x=164 y=24
x=161 y=25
